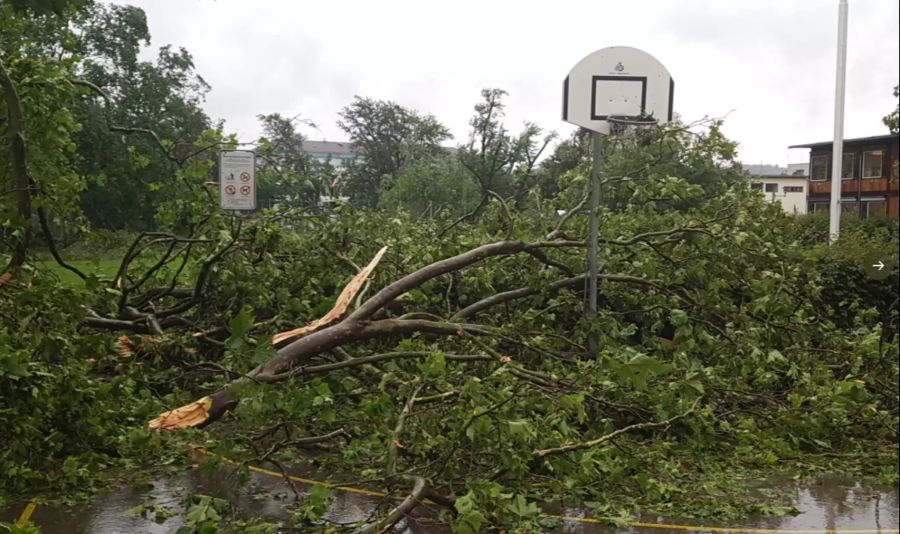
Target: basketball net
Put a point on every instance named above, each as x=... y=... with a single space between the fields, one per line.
x=625 y=126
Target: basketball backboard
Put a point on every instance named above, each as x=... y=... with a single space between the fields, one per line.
x=619 y=81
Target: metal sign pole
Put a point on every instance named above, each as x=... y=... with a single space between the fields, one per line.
x=593 y=238
x=837 y=155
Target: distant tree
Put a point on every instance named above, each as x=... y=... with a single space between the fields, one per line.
x=432 y=187
x=124 y=173
x=892 y=119
x=567 y=155
x=284 y=169
x=387 y=136
x=501 y=163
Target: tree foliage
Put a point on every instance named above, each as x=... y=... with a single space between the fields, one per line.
x=387 y=135
x=892 y=120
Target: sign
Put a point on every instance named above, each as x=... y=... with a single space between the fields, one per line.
x=617 y=82
x=237 y=180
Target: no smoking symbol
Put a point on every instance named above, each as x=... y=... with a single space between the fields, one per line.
x=245 y=189
x=229 y=189
x=245 y=176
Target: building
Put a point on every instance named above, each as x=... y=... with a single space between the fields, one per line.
x=762 y=169
x=339 y=154
x=785 y=185
x=787 y=190
x=798 y=169
x=869 y=181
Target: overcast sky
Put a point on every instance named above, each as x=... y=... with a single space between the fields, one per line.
x=769 y=65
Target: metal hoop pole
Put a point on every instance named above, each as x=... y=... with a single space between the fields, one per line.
x=593 y=238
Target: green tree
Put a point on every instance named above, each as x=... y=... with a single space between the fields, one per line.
x=436 y=186
x=892 y=119
x=125 y=172
x=387 y=136
x=284 y=171
x=36 y=61
x=500 y=163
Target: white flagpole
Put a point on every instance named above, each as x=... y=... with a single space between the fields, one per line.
x=838 y=151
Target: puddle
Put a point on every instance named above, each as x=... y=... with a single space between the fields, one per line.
x=833 y=504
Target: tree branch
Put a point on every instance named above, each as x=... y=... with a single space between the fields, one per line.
x=417 y=278
x=125 y=129
x=612 y=435
x=16 y=132
x=420 y=486
x=398 y=429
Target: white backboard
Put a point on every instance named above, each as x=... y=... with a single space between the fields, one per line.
x=237 y=180
x=617 y=81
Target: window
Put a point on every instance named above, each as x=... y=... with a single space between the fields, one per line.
x=873 y=163
x=849 y=207
x=793 y=189
x=757 y=186
x=875 y=208
x=819 y=168
x=818 y=206
x=771 y=188
x=848 y=166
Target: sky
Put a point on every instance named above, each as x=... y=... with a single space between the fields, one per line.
x=767 y=66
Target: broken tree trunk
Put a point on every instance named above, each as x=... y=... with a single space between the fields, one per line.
x=357 y=326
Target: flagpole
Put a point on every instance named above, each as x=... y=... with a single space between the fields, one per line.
x=838 y=145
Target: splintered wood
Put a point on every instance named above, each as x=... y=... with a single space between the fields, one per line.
x=187 y=416
x=340 y=306
x=197 y=412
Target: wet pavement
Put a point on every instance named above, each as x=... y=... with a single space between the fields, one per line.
x=833 y=505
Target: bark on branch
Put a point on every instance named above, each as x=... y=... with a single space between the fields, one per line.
x=612 y=435
x=355 y=327
x=514 y=294
x=420 y=487
x=16 y=131
x=417 y=278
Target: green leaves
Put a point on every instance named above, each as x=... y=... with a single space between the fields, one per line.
x=637 y=370
x=313 y=506
x=469 y=520
x=240 y=325
x=434 y=365
x=203 y=515
x=12 y=364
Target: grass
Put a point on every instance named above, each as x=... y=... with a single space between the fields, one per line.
x=101 y=268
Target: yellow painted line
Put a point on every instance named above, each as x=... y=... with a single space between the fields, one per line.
x=26 y=514
x=570 y=519
x=311 y=482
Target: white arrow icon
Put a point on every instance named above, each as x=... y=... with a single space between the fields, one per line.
x=879 y=265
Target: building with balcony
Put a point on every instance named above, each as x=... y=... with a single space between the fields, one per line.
x=869 y=181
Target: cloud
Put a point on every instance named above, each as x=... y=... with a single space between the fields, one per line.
x=770 y=61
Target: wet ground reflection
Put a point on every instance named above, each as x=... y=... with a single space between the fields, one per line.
x=833 y=504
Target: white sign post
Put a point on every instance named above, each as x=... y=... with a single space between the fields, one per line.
x=617 y=85
x=237 y=180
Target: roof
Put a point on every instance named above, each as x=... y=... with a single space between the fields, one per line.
x=764 y=169
x=856 y=140
x=328 y=147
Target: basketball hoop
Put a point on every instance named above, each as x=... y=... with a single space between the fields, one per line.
x=617 y=87
x=609 y=92
x=626 y=125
